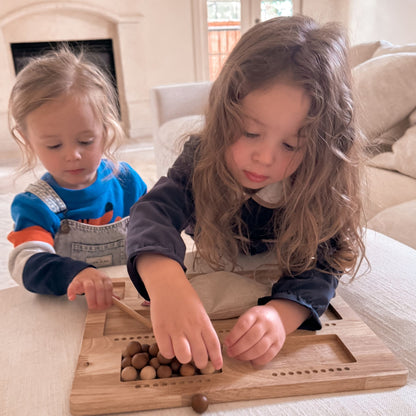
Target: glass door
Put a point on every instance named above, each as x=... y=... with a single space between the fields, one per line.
x=224 y=31
x=228 y=19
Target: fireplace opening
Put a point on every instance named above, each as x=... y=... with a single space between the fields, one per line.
x=99 y=51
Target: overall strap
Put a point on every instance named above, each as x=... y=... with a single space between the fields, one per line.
x=48 y=195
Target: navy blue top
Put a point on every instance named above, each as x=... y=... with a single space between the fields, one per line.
x=159 y=217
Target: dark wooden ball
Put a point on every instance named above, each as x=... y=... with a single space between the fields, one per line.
x=199 y=403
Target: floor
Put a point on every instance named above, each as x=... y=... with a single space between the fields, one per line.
x=138 y=153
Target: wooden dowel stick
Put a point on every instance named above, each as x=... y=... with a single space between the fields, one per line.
x=121 y=305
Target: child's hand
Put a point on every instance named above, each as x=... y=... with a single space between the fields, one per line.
x=257 y=336
x=96 y=286
x=260 y=333
x=182 y=327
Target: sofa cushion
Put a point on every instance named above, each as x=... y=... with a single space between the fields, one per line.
x=384 y=89
x=386 y=48
x=170 y=138
x=364 y=51
x=386 y=188
x=398 y=222
x=402 y=157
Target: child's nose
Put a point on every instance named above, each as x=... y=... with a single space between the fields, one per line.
x=72 y=153
x=265 y=154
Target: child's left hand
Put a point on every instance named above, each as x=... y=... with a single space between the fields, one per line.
x=96 y=286
x=260 y=333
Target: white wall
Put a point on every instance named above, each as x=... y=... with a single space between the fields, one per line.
x=389 y=20
x=368 y=20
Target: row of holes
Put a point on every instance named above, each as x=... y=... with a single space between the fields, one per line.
x=322 y=370
x=208 y=380
x=173 y=383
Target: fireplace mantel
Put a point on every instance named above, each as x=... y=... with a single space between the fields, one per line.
x=67 y=20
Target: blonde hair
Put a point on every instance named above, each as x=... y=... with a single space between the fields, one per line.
x=321 y=207
x=59 y=73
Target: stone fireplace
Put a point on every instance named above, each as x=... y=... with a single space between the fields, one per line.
x=56 y=21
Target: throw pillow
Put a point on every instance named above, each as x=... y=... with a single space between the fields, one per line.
x=226 y=294
x=403 y=153
x=384 y=92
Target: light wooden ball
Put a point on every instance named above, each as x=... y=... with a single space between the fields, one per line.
x=128 y=373
x=148 y=373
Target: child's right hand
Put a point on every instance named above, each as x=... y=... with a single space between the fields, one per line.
x=96 y=286
x=181 y=325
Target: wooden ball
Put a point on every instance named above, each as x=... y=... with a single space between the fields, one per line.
x=128 y=373
x=175 y=365
x=153 y=349
x=133 y=347
x=154 y=362
x=140 y=360
x=125 y=353
x=199 y=403
x=187 y=370
x=209 y=369
x=145 y=347
x=164 y=371
x=148 y=373
x=126 y=361
x=162 y=359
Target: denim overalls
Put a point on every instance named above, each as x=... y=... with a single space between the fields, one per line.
x=98 y=245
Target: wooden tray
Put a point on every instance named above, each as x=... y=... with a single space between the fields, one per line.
x=345 y=355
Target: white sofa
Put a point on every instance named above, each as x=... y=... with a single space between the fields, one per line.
x=384 y=77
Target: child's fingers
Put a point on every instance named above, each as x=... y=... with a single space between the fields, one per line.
x=90 y=293
x=75 y=288
x=243 y=324
x=99 y=294
x=250 y=345
x=213 y=346
x=182 y=348
x=164 y=342
x=103 y=293
x=198 y=350
x=108 y=288
x=267 y=356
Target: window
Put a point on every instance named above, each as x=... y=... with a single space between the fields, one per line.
x=221 y=24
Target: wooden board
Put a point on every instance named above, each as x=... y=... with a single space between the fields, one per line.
x=345 y=355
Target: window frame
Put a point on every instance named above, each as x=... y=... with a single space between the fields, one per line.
x=250 y=15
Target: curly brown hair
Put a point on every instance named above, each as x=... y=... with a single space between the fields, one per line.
x=321 y=206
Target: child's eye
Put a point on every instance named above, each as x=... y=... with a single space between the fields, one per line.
x=87 y=141
x=55 y=146
x=251 y=135
x=289 y=147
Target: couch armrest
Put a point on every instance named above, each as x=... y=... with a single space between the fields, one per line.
x=178 y=100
